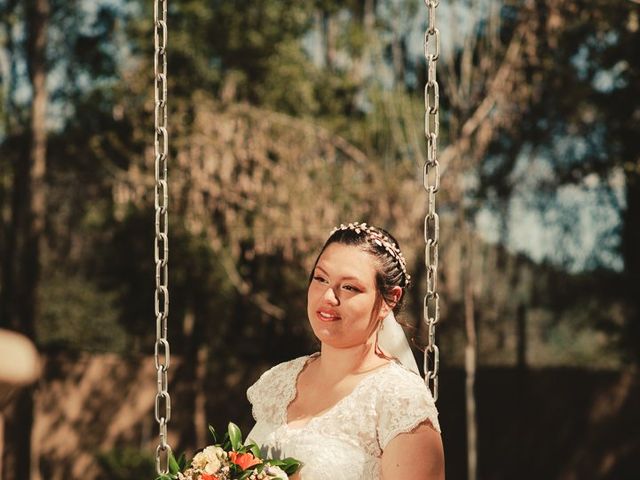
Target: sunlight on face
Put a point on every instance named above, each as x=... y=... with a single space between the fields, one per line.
x=342 y=295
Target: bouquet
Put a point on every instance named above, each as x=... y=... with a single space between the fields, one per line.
x=229 y=459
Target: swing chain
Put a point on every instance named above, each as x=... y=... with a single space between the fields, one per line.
x=431 y=181
x=162 y=353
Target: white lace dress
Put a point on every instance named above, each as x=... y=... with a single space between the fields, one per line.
x=346 y=441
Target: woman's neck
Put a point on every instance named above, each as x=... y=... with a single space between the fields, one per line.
x=337 y=363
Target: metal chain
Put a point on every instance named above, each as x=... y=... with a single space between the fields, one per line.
x=161 y=246
x=431 y=181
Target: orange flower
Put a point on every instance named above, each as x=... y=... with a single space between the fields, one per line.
x=243 y=460
x=206 y=476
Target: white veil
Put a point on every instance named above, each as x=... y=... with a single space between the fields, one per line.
x=393 y=341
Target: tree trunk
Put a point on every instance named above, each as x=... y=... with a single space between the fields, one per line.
x=329 y=27
x=631 y=257
x=188 y=373
x=363 y=63
x=11 y=214
x=29 y=185
x=200 y=400
x=196 y=357
x=398 y=54
x=10 y=246
x=2 y=421
x=470 y=362
x=37 y=16
x=521 y=333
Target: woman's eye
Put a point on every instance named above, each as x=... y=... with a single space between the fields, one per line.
x=351 y=288
x=319 y=278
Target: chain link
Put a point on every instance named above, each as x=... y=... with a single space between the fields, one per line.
x=431 y=181
x=162 y=352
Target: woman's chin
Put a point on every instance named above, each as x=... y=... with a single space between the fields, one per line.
x=329 y=333
x=324 y=329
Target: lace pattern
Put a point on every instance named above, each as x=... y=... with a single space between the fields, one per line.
x=275 y=390
x=351 y=435
x=403 y=404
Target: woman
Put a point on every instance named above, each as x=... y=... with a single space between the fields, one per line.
x=351 y=411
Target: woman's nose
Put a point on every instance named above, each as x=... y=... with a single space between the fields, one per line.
x=330 y=296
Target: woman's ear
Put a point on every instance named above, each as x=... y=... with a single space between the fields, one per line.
x=396 y=294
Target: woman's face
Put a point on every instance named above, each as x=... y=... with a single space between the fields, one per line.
x=342 y=296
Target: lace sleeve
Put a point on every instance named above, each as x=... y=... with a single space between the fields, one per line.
x=272 y=388
x=404 y=403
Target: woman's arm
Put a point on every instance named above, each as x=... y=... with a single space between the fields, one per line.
x=417 y=455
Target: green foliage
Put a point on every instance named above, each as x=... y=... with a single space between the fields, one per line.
x=126 y=464
x=174 y=465
x=198 y=282
x=289 y=465
x=212 y=431
x=246 y=41
x=78 y=316
x=226 y=44
x=289 y=83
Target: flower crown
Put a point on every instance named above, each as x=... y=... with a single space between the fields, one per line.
x=379 y=239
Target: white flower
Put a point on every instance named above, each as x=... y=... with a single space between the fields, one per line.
x=188 y=474
x=209 y=459
x=275 y=472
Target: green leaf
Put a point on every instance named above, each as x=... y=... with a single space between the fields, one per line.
x=174 y=468
x=182 y=462
x=290 y=465
x=226 y=443
x=255 y=449
x=213 y=434
x=235 y=436
x=166 y=477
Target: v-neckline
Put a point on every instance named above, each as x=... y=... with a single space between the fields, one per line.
x=326 y=411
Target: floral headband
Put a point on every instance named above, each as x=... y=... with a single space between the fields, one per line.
x=379 y=239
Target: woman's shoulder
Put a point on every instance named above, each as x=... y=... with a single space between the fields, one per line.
x=398 y=375
x=403 y=402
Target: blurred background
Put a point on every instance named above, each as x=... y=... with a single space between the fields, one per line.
x=287 y=118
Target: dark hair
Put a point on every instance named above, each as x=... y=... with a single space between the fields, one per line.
x=389 y=273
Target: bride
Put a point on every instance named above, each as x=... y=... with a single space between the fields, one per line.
x=358 y=409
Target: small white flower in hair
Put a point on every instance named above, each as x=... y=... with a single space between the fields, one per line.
x=380 y=240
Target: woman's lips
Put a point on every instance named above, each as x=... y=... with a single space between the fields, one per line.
x=326 y=316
